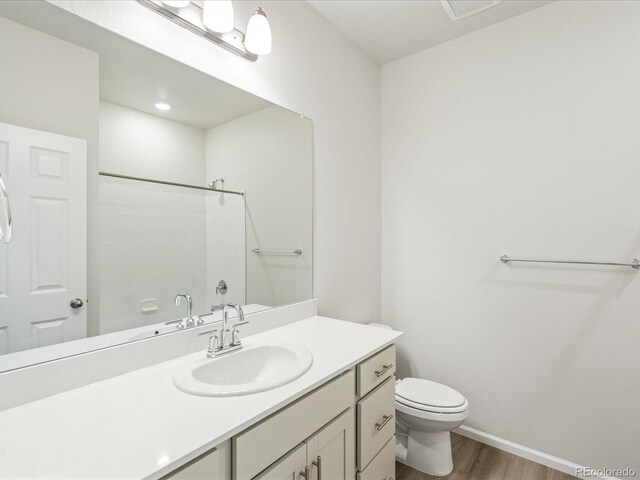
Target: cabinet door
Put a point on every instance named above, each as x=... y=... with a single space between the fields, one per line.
x=259 y=446
x=213 y=465
x=331 y=451
x=288 y=467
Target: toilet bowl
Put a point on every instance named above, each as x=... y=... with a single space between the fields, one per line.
x=425 y=414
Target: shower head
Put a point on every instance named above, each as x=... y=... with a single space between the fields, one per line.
x=214 y=183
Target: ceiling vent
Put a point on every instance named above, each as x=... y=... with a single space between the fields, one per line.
x=457 y=9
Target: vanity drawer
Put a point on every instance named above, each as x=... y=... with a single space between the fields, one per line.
x=257 y=448
x=383 y=467
x=376 y=422
x=375 y=370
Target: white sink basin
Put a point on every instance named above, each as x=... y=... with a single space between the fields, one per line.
x=253 y=369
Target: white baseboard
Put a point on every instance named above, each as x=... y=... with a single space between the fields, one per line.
x=522 y=451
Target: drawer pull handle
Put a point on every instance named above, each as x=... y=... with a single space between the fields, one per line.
x=318 y=463
x=385 y=420
x=385 y=369
x=305 y=474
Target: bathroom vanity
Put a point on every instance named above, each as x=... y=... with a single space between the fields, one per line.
x=335 y=421
x=328 y=432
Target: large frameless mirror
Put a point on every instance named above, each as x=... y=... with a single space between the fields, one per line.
x=135 y=181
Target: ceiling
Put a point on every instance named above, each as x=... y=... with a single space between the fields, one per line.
x=137 y=77
x=196 y=98
x=388 y=30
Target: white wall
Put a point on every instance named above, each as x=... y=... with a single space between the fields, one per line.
x=141 y=145
x=33 y=67
x=521 y=138
x=268 y=154
x=314 y=70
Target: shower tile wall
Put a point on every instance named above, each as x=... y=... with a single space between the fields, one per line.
x=157 y=241
x=152 y=247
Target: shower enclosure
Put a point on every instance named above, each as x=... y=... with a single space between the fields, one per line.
x=158 y=240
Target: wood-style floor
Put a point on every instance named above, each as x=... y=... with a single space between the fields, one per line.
x=475 y=461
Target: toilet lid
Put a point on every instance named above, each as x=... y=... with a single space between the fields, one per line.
x=429 y=394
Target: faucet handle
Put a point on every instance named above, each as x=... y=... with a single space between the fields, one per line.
x=208 y=332
x=235 y=337
x=179 y=323
x=235 y=334
x=214 y=342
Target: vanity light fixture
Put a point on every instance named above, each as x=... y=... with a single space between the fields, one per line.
x=162 y=106
x=176 y=3
x=258 y=37
x=214 y=20
x=217 y=16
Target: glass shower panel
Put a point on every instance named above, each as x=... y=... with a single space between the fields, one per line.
x=226 y=249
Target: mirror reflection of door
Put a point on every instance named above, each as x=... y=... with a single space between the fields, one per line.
x=43 y=268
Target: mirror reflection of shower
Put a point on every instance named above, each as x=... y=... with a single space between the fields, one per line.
x=213 y=184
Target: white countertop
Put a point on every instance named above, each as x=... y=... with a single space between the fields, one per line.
x=139 y=425
x=33 y=356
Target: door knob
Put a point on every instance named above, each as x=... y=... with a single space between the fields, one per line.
x=76 y=303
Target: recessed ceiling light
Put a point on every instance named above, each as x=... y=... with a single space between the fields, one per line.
x=459 y=9
x=162 y=106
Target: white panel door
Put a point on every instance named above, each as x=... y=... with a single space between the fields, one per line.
x=43 y=268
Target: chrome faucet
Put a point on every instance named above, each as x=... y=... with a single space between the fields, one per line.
x=225 y=340
x=189 y=321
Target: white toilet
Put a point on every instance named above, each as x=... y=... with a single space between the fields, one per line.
x=426 y=412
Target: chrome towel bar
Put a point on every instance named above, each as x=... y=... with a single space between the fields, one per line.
x=260 y=251
x=635 y=263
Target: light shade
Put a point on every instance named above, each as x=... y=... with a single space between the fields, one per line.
x=258 y=37
x=176 y=3
x=217 y=15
